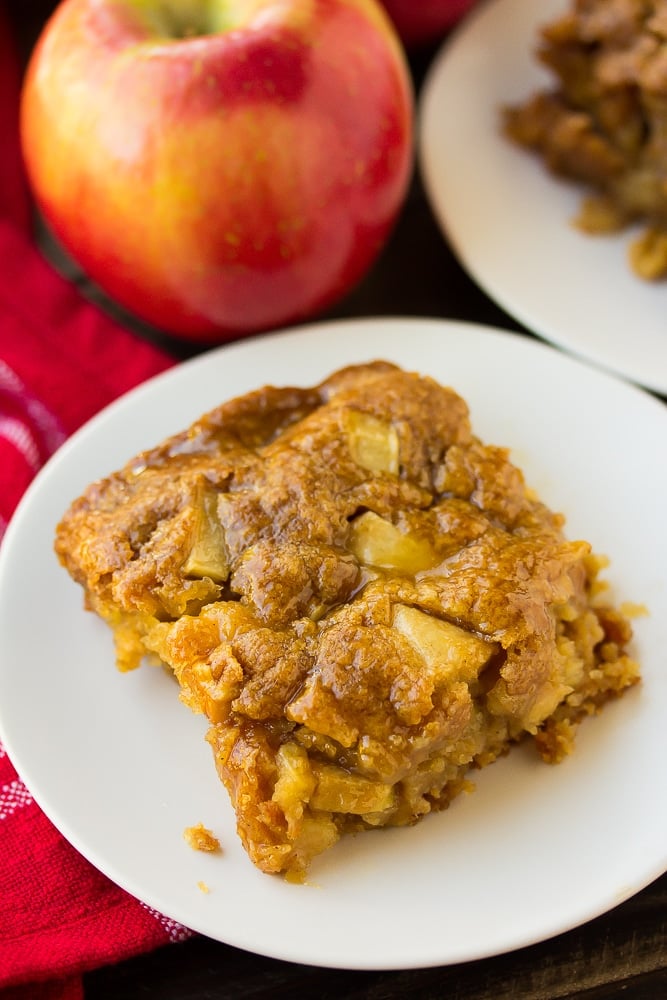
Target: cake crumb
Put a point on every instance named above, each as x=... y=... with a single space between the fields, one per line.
x=201 y=839
x=632 y=610
x=203 y=887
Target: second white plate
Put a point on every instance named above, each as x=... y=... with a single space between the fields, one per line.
x=510 y=222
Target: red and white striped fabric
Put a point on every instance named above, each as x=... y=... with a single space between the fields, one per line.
x=61 y=360
x=29 y=433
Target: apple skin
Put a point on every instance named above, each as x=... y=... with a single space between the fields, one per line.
x=419 y=22
x=226 y=183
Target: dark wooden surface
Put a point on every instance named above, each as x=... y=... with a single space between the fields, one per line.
x=620 y=954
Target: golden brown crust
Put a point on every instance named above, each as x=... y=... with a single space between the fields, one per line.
x=363 y=598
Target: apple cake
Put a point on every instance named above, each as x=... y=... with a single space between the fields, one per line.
x=364 y=599
x=603 y=122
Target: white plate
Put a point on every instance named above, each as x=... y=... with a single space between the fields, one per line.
x=121 y=767
x=510 y=222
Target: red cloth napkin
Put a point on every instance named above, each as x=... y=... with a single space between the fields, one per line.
x=61 y=360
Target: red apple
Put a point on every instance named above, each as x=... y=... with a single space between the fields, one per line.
x=219 y=167
x=421 y=21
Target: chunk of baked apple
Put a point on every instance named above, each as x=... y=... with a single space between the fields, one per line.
x=375 y=541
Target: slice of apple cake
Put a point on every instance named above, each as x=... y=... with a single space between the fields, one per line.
x=364 y=599
x=602 y=119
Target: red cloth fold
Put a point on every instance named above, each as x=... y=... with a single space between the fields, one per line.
x=61 y=360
